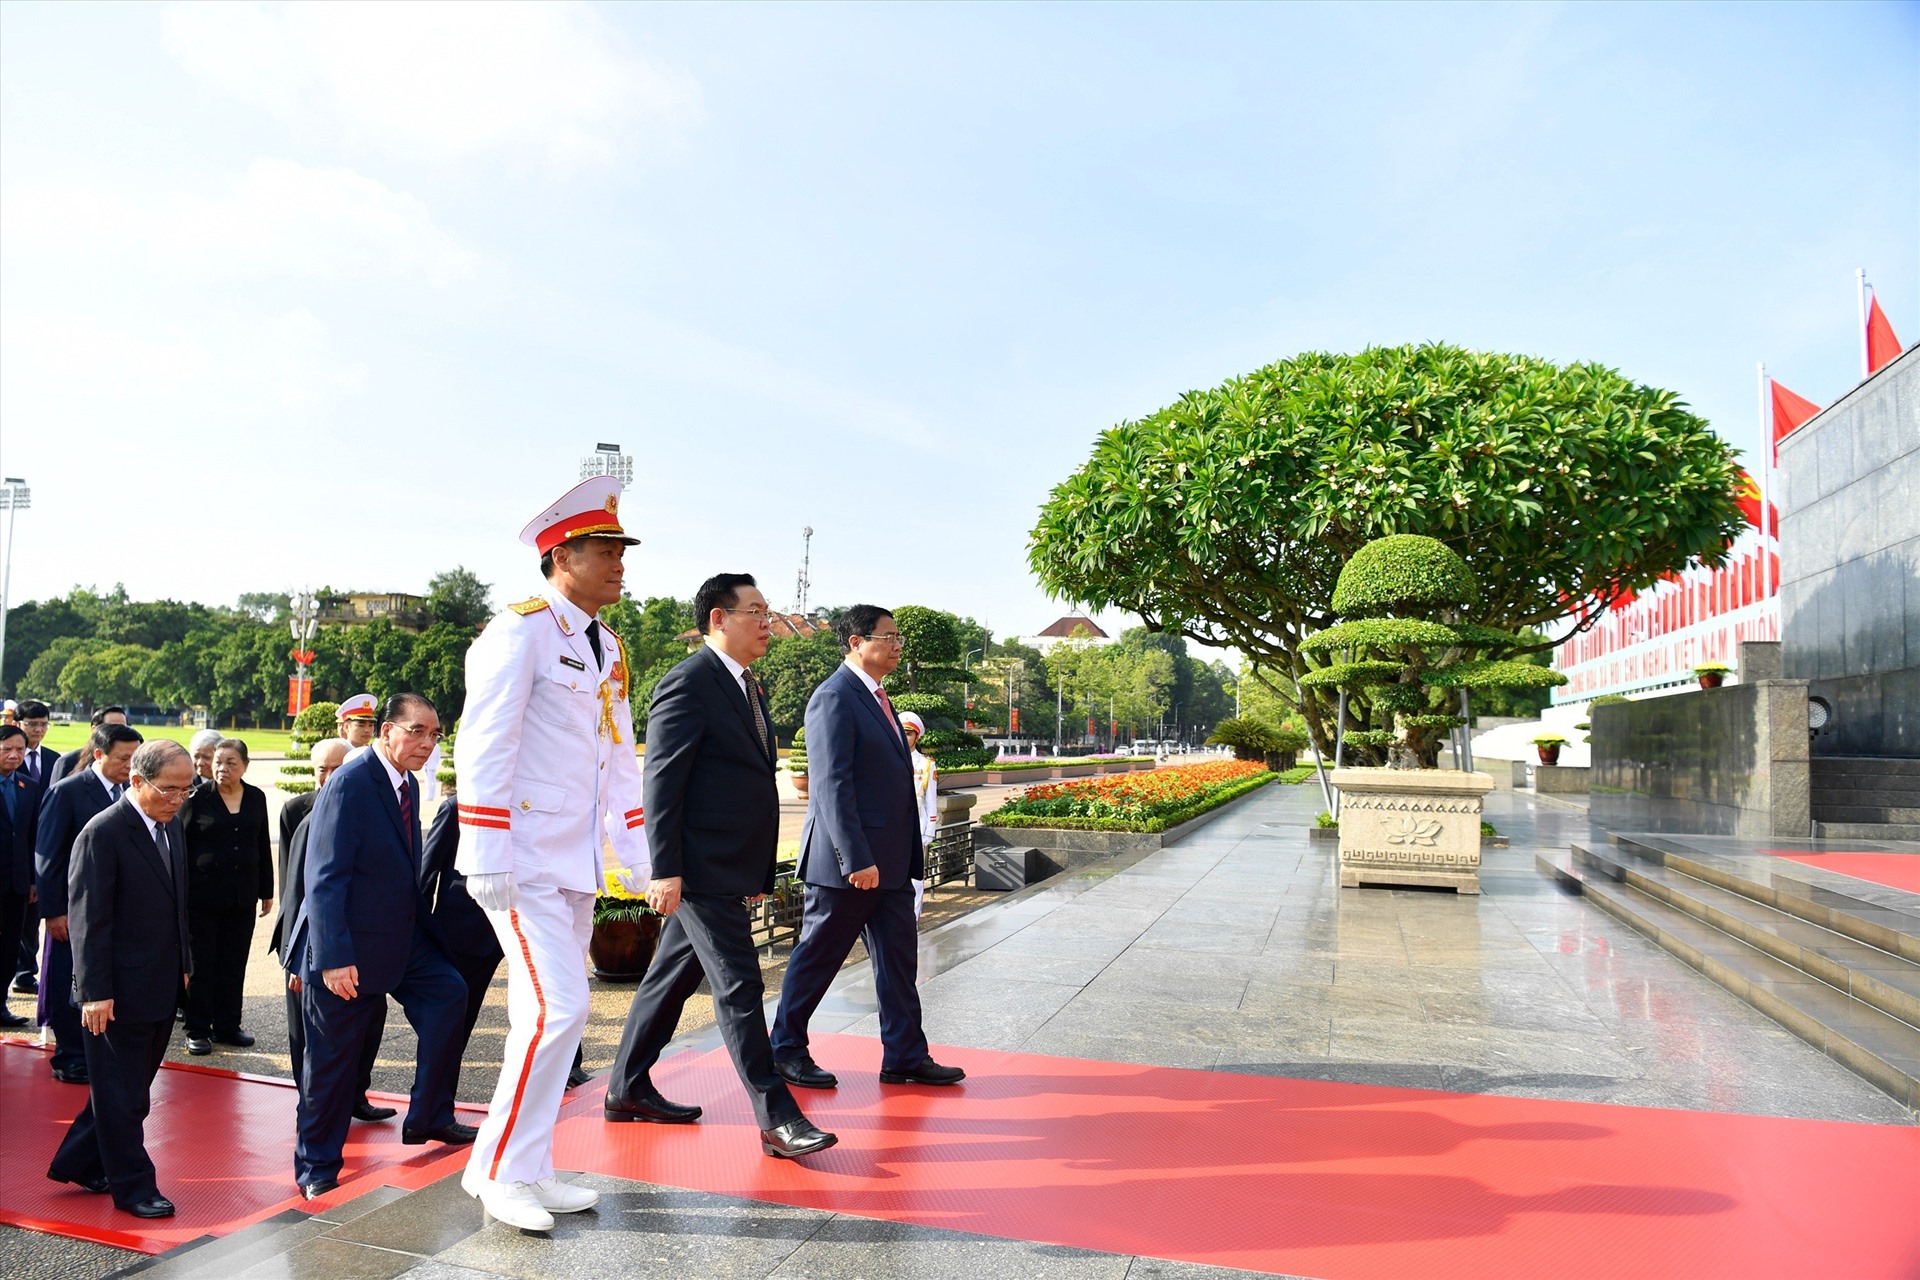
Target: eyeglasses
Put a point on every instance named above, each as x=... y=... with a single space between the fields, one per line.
x=165 y=793
x=893 y=638
x=421 y=731
x=761 y=616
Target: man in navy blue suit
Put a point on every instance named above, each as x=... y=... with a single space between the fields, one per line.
x=73 y=802
x=19 y=814
x=860 y=853
x=359 y=939
x=32 y=716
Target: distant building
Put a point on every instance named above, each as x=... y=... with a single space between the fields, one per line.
x=407 y=612
x=1063 y=630
x=784 y=624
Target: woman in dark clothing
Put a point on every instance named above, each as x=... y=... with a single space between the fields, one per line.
x=229 y=886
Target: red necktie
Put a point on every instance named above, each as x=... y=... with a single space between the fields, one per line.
x=892 y=719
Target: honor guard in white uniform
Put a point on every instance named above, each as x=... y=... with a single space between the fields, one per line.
x=926 y=794
x=548 y=776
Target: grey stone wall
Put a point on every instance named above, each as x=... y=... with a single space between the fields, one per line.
x=1849 y=498
x=1730 y=761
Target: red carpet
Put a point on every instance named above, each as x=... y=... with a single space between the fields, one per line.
x=1894 y=870
x=1297 y=1176
x=223 y=1145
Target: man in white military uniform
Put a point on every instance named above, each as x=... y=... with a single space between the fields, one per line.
x=545 y=755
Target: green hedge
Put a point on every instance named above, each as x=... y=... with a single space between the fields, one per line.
x=1150 y=827
x=1297 y=774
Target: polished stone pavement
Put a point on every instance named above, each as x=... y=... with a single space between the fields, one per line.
x=1232 y=951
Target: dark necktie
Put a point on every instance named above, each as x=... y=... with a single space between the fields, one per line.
x=753 y=702
x=117 y=790
x=161 y=842
x=593 y=640
x=33 y=764
x=406 y=808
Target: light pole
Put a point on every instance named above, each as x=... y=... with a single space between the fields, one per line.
x=966 y=686
x=302 y=616
x=15 y=497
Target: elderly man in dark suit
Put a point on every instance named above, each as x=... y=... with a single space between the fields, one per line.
x=19 y=814
x=860 y=853
x=127 y=917
x=327 y=755
x=72 y=803
x=713 y=822
x=358 y=939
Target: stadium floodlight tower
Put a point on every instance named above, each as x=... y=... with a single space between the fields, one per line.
x=607 y=460
x=15 y=497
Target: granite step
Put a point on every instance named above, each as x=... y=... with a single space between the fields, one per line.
x=1880 y=1047
x=1867 y=973
x=1879 y=815
x=276 y=1237
x=1866 y=830
x=1893 y=931
x=1825 y=767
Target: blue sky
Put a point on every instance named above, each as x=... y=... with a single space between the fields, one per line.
x=299 y=295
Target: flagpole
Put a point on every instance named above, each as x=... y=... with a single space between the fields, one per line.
x=1860 y=298
x=1766 y=477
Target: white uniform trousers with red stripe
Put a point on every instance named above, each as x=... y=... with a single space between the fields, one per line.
x=545 y=937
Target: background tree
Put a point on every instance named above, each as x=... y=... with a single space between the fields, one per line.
x=458 y=598
x=107 y=675
x=930 y=652
x=266 y=606
x=1226 y=516
x=791 y=670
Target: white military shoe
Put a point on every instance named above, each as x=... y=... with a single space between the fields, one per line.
x=556 y=1196
x=515 y=1204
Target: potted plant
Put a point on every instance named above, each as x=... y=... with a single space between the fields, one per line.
x=1405 y=658
x=797 y=763
x=625 y=933
x=1548 y=745
x=1711 y=675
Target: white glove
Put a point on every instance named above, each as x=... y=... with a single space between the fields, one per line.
x=632 y=880
x=493 y=890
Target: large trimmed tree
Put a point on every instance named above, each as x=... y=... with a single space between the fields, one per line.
x=1226 y=516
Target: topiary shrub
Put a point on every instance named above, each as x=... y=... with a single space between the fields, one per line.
x=1403 y=668
x=1250 y=739
x=797 y=756
x=309 y=727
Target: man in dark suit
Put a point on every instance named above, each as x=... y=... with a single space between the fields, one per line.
x=454 y=920
x=358 y=939
x=19 y=815
x=33 y=717
x=73 y=802
x=713 y=822
x=76 y=759
x=327 y=755
x=860 y=853
x=127 y=917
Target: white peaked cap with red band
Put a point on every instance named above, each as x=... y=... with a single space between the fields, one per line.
x=360 y=706
x=591 y=509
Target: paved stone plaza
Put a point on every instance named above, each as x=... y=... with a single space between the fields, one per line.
x=1232 y=951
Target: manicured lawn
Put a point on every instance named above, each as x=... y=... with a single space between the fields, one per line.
x=260 y=742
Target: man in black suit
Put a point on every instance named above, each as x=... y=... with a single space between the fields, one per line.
x=33 y=717
x=76 y=759
x=358 y=938
x=327 y=755
x=454 y=920
x=713 y=823
x=73 y=802
x=19 y=815
x=860 y=853
x=127 y=916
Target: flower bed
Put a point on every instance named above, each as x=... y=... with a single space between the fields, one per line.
x=1145 y=802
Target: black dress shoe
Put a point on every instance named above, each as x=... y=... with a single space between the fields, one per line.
x=70 y=1075
x=9 y=1019
x=26 y=984
x=806 y=1073
x=454 y=1135
x=156 y=1206
x=795 y=1138
x=199 y=1046
x=577 y=1077
x=370 y=1114
x=314 y=1190
x=651 y=1107
x=238 y=1039
x=928 y=1072
x=96 y=1184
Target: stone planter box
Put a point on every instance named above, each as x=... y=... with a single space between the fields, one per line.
x=1065 y=848
x=963 y=778
x=1411 y=827
x=1561 y=779
x=1074 y=771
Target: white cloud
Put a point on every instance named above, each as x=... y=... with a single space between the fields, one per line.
x=280 y=220
x=437 y=79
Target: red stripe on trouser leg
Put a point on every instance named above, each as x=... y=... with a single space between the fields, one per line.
x=526 y=1068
